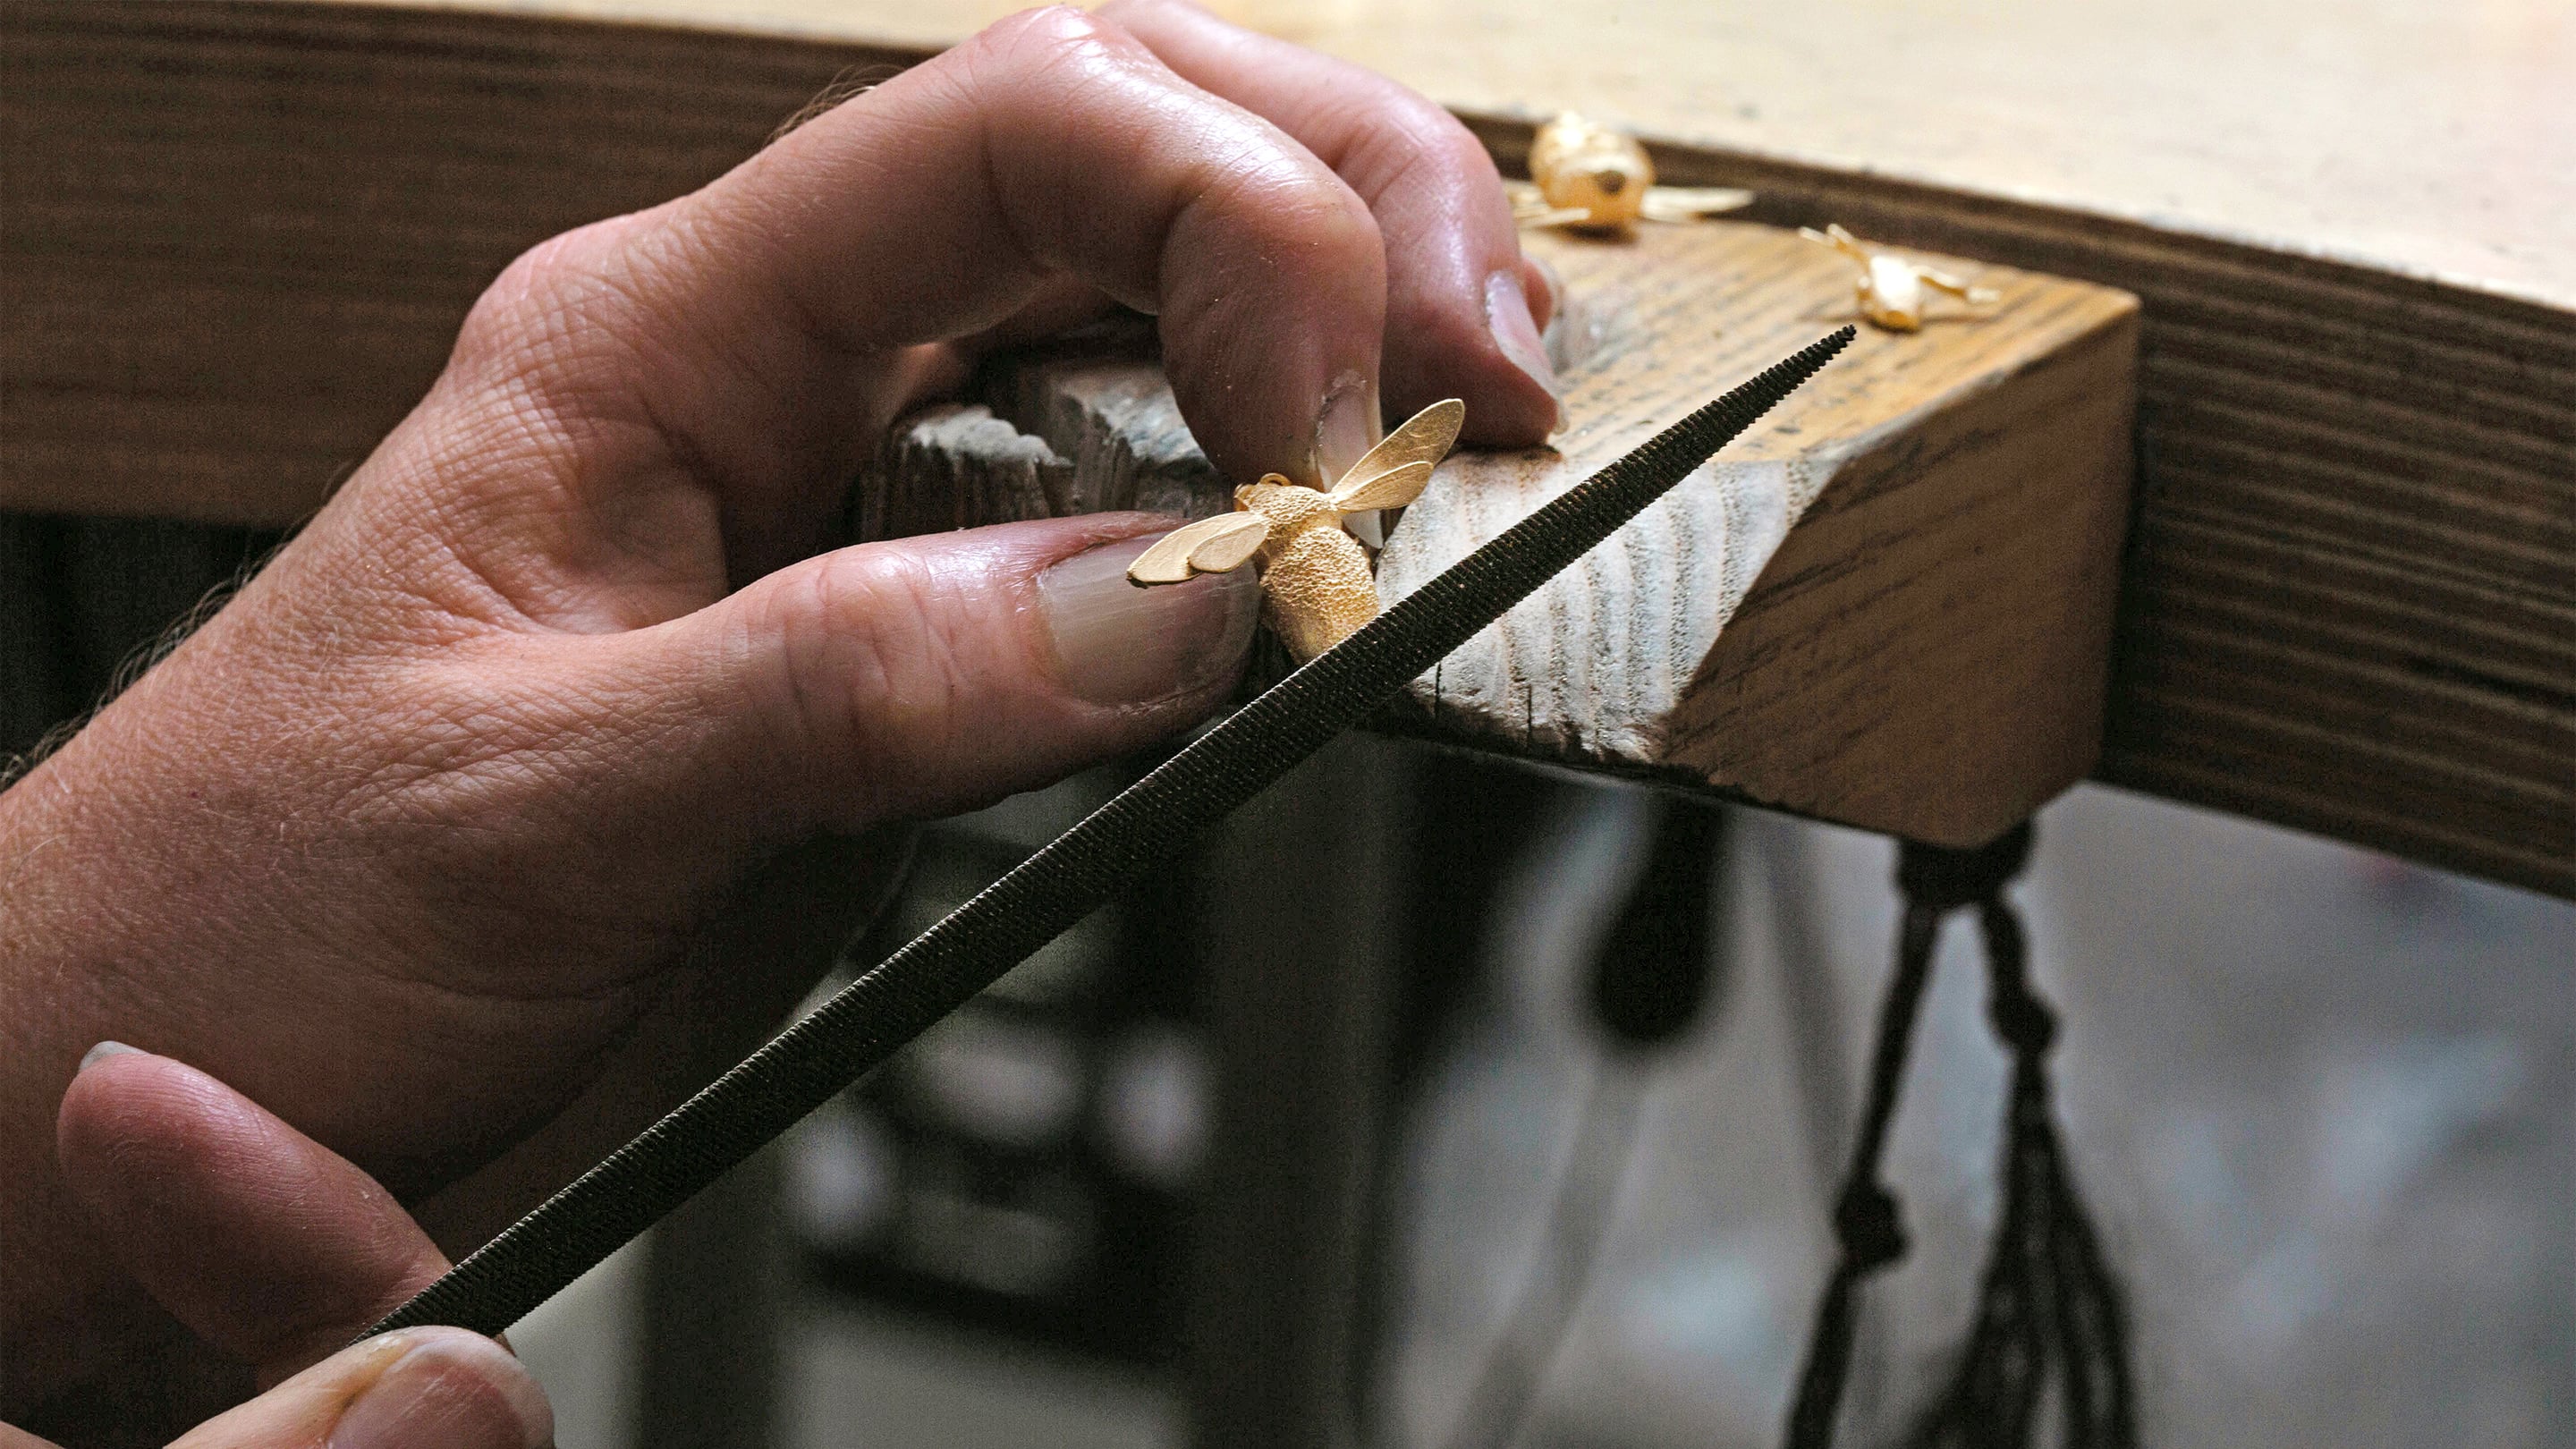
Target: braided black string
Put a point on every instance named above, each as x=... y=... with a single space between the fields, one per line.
x=1144 y=825
x=2047 y=1305
x=1868 y=1223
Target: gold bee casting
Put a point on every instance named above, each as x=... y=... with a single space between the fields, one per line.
x=1315 y=582
x=1889 y=288
x=1591 y=177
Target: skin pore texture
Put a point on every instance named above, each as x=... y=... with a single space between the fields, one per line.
x=545 y=768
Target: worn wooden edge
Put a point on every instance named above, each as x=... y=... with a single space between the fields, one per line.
x=2013 y=589
x=1922 y=652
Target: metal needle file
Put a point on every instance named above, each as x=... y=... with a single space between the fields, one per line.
x=1148 y=822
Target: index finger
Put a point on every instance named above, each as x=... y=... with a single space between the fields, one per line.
x=265 y=1243
x=1460 y=316
x=936 y=205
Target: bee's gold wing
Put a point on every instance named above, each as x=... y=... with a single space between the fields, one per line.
x=1210 y=546
x=1393 y=488
x=1943 y=281
x=1840 y=240
x=1231 y=544
x=1690 y=203
x=1530 y=207
x=1425 y=438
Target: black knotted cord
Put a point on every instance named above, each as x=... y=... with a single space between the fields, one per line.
x=1141 y=827
x=1867 y=1222
x=2047 y=1306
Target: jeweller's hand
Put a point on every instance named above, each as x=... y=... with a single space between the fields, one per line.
x=1463 y=307
x=274 y=1250
x=514 y=799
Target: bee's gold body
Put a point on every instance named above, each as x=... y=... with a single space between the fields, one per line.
x=1315 y=581
x=1596 y=178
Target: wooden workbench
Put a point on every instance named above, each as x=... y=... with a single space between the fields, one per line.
x=2348 y=599
x=236 y=239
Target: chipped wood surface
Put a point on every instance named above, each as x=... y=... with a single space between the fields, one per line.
x=1934 y=669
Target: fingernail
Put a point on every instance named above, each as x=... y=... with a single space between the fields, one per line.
x=1507 y=313
x=1555 y=283
x=103 y=1051
x=1118 y=643
x=450 y=1389
x=1346 y=429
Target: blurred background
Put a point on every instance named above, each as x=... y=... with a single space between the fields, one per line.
x=2322 y=1106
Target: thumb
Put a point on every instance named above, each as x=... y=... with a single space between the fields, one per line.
x=421 y=1388
x=927 y=675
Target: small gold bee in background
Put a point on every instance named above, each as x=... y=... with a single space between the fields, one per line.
x=1889 y=288
x=1315 y=584
x=1591 y=177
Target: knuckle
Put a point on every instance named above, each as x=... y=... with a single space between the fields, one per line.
x=1455 y=148
x=532 y=292
x=1047 y=36
x=875 y=672
x=564 y=308
x=1410 y=141
x=574 y=330
x=1294 y=211
x=1298 y=215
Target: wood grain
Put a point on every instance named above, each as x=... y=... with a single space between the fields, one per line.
x=1931 y=663
x=238 y=237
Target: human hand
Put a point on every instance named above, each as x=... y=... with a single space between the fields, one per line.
x=524 y=789
x=274 y=1251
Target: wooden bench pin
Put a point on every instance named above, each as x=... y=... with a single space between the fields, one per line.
x=1315 y=580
